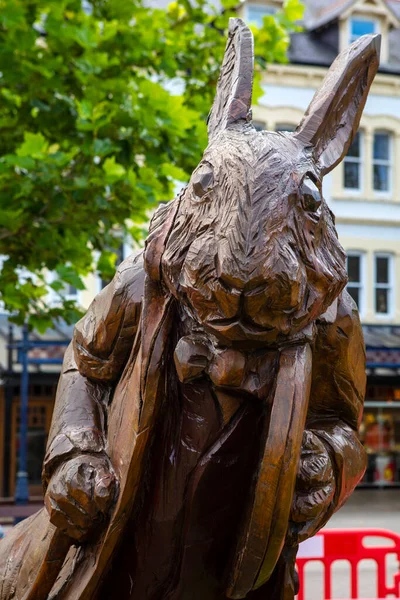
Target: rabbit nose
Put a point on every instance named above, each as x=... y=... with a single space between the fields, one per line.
x=233 y=281
x=228 y=272
x=236 y=278
x=276 y=284
x=275 y=296
x=282 y=291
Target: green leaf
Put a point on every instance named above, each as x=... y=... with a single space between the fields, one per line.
x=174 y=172
x=106 y=263
x=57 y=285
x=22 y=162
x=41 y=323
x=85 y=110
x=69 y=275
x=32 y=290
x=11 y=14
x=113 y=170
x=53 y=149
x=34 y=145
x=103 y=147
x=294 y=10
x=11 y=96
x=11 y=219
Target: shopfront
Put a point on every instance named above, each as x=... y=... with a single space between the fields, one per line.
x=44 y=361
x=380 y=429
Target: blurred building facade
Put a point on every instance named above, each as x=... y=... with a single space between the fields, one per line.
x=364 y=194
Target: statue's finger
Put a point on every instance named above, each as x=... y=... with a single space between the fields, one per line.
x=104 y=490
x=312 y=444
x=80 y=487
x=77 y=513
x=63 y=521
x=309 y=506
x=314 y=469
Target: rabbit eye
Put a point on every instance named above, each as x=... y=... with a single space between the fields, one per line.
x=311 y=196
x=203 y=180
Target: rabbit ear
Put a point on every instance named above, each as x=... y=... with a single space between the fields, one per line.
x=332 y=119
x=234 y=89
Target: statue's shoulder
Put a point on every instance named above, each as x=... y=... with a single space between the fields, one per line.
x=348 y=318
x=343 y=315
x=129 y=278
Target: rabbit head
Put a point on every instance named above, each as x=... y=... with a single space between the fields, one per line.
x=253 y=253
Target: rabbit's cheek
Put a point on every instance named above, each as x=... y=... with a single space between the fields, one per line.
x=199 y=304
x=228 y=302
x=278 y=296
x=310 y=310
x=277 y=301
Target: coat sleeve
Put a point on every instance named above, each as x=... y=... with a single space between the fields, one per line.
x=93 y=363
x=337 y=396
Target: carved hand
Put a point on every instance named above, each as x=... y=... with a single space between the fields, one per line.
x=80 y=494
x=315 y=487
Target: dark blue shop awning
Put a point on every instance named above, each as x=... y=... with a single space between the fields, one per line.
x=383 y=346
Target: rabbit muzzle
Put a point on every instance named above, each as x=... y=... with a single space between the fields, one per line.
x=275 y=311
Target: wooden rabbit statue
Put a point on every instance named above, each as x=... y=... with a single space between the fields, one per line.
x=207 y=411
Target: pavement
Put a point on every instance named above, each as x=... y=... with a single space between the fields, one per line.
x=370 y=508
x=378 y=508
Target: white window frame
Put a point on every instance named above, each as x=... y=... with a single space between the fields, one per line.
x=75 y=297
x=364 y=18
x=258 y=6
x=363 y=277
x=386 y=163
x=361 y=163
x=387 y=286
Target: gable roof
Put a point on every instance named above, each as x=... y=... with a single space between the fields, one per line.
x=318 y=43
x=318 y=48
x=394 y=6
x=319 y=13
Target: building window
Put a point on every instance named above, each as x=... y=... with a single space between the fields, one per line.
x=359 y=27
x=255 y=13
x=383 y=284
x=382 y=161
x=353 y=165
x=355 y=286
x=285 y=127
x=259 y=125
x=72 y=291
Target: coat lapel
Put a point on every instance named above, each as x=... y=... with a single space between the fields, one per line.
x=134 y=410
x=133 y=413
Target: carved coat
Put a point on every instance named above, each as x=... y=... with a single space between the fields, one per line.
x=126 y=340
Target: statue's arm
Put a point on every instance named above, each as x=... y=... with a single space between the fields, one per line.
x=337 y=395
x=93 y=362
x=333 y=459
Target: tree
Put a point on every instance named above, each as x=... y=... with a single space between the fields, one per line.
x=103 y=106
